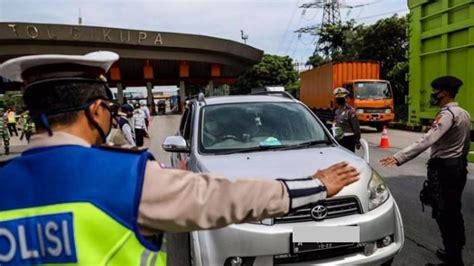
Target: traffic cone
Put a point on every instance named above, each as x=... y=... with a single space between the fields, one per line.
x=384 y=141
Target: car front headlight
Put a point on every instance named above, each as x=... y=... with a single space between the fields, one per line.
x=388 y=111
x=360 y=111
x=378 y=191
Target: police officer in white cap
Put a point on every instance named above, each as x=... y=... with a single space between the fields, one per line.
x=73 y=201
x=346 y=118
x=449 y=140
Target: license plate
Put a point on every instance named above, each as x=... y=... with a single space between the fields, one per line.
x=313 y=247
x=325 y=234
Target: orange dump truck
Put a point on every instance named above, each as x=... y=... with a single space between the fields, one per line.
x=370 y=96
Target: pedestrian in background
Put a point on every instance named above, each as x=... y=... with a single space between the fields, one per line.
x=123 y=122
x=346 y=118
x=4 y=137
x=11 y=119
x=146 y=110
x=449 y=140
x=139 y=125
x=27 y=126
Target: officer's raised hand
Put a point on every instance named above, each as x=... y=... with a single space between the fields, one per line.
x=389 y=161
x=336 y=177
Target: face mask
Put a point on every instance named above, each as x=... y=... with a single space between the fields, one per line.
x=110 y=120
x=434 y=99
x=340 y=101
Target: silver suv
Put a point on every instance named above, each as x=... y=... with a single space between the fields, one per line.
x=279 y=137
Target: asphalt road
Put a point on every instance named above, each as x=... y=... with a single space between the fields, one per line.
x=421 y=232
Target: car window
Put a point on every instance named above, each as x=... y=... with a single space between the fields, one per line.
x=188 y=123
x=372 y=90
x=183 y=121
x=244 y=125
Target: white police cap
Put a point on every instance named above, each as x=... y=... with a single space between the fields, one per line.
x=340 y=92
x=19 y=69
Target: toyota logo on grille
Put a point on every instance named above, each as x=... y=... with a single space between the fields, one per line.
x=319 y=212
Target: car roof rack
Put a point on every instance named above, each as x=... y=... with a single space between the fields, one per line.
x=281 y=93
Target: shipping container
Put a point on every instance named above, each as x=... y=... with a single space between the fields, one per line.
x=371 y=96
x=441 y=35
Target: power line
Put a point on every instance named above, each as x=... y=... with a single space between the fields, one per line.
x=382 y=14
x=308 y=43
x=313 y=17
x=289 y=48
x=287 y=27
x=331 y=12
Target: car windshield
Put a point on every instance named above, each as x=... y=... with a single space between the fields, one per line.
x=372 y=90
x=229 y=128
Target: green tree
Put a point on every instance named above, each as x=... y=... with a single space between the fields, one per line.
x=316 y=60
x=13 y=99
x=337 y=42
x=272 y=70
x=386 y=41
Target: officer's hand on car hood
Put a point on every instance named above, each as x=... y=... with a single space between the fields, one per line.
x=337 y=177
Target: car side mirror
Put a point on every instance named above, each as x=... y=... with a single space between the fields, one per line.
x=337 y=133
x=175 y=144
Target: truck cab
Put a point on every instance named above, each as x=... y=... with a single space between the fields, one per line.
x=373 y=101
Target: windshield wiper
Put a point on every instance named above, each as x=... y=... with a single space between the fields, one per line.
x=256 y=148
x=278 y=147
x=307 y=144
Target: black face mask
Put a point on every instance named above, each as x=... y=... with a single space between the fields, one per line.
x=108 y=107
x=341 y=101
x=434 y=99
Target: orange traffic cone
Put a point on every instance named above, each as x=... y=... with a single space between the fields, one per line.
x=384 y=141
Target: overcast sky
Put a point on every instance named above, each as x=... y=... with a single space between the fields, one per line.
x=269 y=23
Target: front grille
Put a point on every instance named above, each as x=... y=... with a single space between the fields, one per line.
x=336 y=208
x=373 y=111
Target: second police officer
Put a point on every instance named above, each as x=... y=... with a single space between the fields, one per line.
x=449 y=140
x=346 y=118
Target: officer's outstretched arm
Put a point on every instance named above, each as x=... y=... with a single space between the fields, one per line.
x=441 y=125
x=181 y=201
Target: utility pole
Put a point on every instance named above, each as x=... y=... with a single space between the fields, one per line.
x=243 y=36
x=80 y=18
x=331 y=10
x=331 y=13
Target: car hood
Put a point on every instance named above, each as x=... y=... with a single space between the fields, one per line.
x=289 y=164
